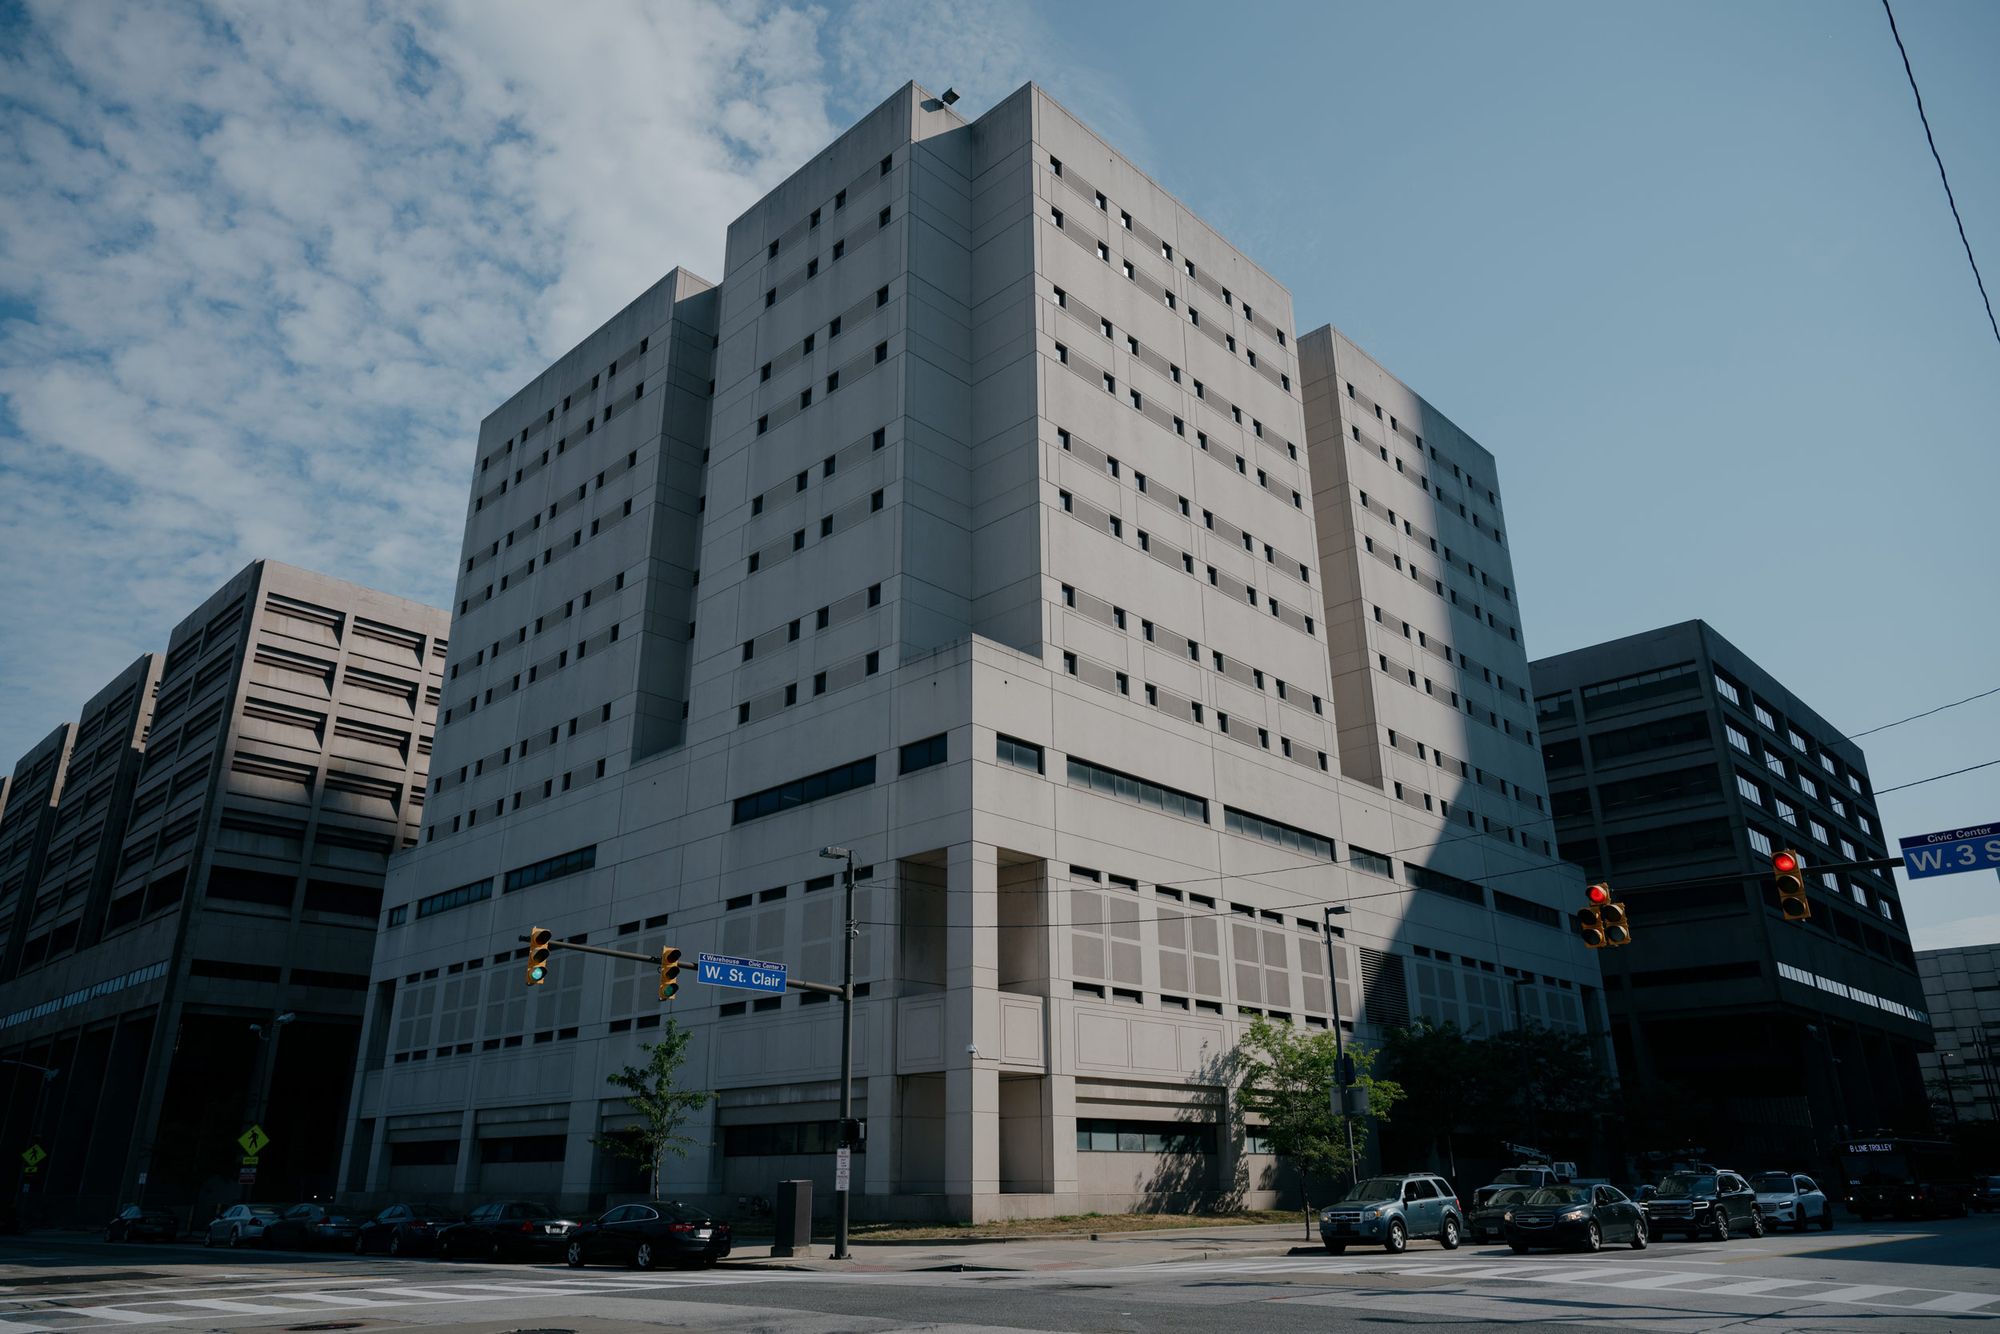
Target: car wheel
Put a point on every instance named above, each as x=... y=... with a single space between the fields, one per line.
x=208 y=1237
x=642 y=1255
x=361 y=1243
x=1398 y=1239
x=109 y=1235
x=1756 y=1222
x=1448 y=1236
x=1718 y=1224
x=573 y=1257
x=1336 y=1247
x=1640 y=1236
x=493 y=1251
x=1826 y=1219
x=235 y=1237
x=1593 y=1236
x=396 y=1244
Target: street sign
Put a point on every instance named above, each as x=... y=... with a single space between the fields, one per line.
x=249 y=1160
x=1949 y=851
x=247 y=1177
x=253 y=1140
x=32 y=1158
x=843 y=1161
x=725 y=970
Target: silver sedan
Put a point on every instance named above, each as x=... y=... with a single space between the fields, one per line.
x=240 y=1224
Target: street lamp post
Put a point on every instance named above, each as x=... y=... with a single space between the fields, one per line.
x=261 y=1072
x=841 y=1191
x=1331 y=911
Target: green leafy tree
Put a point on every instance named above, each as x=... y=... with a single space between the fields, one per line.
x=1288 y=1077
x=1451 y=1084
x=1555 y=1088
x=661 y=1107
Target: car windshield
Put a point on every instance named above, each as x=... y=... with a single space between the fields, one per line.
x=1519 y=1176
x=1772 y=1183
x=422 y=1209
x=1549 y=1195
x=684 y=1213
x=265 y=1210
x=1686 y=1185
x=1376 y=1188
x=1511 y=1195
x=534 y=1209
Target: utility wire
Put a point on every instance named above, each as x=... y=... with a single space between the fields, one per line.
x=1935 y=777
x=1925 y=714
x=1949 y=197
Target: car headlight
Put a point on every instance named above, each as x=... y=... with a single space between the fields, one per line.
x=1371 y=1213
x=1326 y=1215
x=1701 y=1204
x=1573 y=1216
x=1507 y=1217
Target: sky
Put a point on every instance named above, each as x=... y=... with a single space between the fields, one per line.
x=1686 y=269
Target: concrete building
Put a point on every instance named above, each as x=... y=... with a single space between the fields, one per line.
x=1677 y=765
x=1962 y=992
x=976 y=522
x=200 y=854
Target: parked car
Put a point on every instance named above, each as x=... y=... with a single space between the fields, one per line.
x=648 y=1234
x=1986 y=1194
x=405 y=1229
x=1576 y=1216
x=241 y=1224
x=511 y=1230
x=138 y=1223
x=1392 y=1210
x=1487 y=1221
x=1789 y=1200
x=314 y=1224
x=1704 y=1204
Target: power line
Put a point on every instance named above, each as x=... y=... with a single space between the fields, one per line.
x=1935 y=777
x=1949 y=197
x=1925 y=714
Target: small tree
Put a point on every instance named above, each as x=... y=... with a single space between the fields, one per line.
x=662 y=1108
x=1288 y=1078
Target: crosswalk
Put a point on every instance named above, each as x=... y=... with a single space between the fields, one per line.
x=63 y=1313
x=1637 y=1279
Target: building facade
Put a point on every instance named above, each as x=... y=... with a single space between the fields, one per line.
x=978 y=521
x=188 y=936
x=1962 y=992
x=1677 y=768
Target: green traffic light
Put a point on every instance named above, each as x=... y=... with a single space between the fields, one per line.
x=538 y=972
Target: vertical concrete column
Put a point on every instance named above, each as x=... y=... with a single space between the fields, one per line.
x=972 y=1016
x=464 y=1177
x=878 y=1165
x=1059 y=1107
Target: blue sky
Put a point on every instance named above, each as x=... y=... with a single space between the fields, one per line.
x=1685 y=268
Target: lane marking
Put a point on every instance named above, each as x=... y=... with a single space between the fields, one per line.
x=1958 y=1301
x=237 y=1308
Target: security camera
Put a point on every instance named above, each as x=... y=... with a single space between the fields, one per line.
x=972 y=1049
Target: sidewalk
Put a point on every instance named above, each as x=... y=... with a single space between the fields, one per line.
x=1050 y=1251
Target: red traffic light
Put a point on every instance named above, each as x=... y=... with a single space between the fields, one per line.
x=1600 y=894
x=1785 y=863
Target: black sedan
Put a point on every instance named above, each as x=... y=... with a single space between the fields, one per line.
x=405 y=1229
x=314 y=1224
x=510 y=1230
x=648 y=1234
x=1488 y=1217
x=1578 y=1217
x=137 y=1223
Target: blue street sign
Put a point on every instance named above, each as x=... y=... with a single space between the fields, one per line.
x=725 y=970
x=1950 y=851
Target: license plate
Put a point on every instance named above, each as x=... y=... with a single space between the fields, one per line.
x=704 y=1233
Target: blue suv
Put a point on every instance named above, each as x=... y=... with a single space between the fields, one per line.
x=1390 y=1211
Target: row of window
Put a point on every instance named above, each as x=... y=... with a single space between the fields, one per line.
x=1178 y=425
x=1397 y=426
x=1101 y=1136
x=1424 y=484
x=549 y=419
x=1143 y=792
x=803 y=791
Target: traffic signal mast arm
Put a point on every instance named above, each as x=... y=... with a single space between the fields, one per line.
x=791 y=983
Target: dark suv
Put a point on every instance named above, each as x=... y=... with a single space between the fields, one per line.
x=1705 y=1204
x=1390 y=1211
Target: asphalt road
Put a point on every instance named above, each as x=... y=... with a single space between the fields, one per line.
x=1875 y=1278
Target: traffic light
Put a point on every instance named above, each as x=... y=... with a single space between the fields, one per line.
x=1617 y=927
x=1590 y=917
x=538 y=954
x=1790 y=869
x=670 y=973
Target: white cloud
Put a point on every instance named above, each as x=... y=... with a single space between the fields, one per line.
x=263 y=268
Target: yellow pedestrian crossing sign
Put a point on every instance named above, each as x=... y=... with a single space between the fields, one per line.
x=32 y=1156
x=253 y=1140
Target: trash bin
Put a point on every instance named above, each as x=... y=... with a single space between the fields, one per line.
x=792 y=1219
